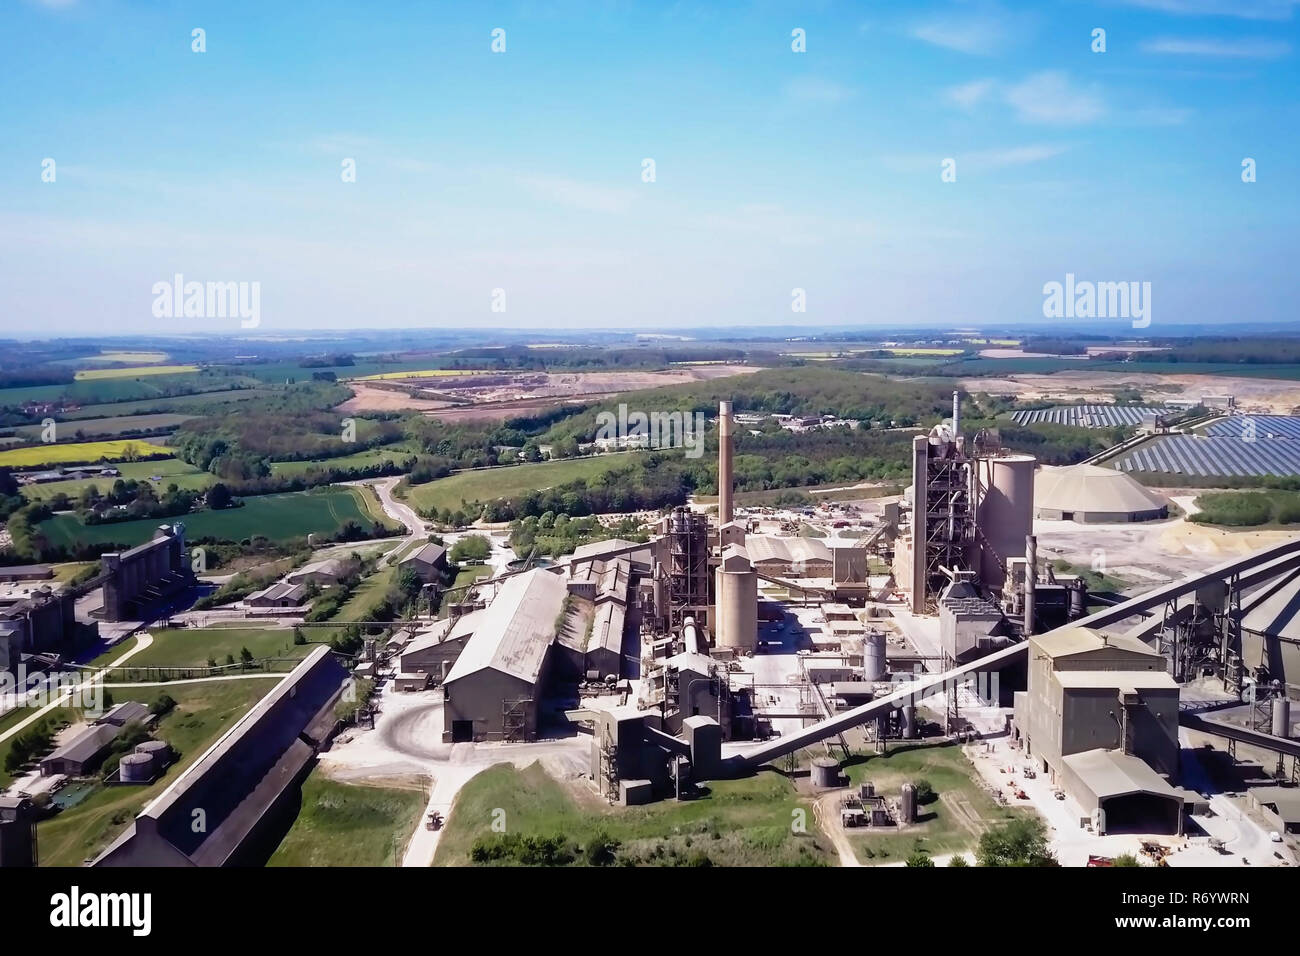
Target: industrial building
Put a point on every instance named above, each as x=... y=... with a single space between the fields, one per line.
x=244 y=783
x=43 y=624
x=137 y=581
x=278 y=595
x=83 y=752
x=428 y=562
x=1101 y=716
x=18 y=846
x=1089 y=493
x=492 y=690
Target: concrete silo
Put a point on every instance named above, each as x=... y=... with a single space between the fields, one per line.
x=874 y=663
x=1004 y=513
x=736 y=624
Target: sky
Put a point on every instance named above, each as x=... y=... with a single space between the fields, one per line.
x=511 y=188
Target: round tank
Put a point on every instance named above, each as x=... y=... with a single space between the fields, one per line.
x=908 y=722
x=157 y=749
x=737 y=610
x=873 y=656
x=907 y=804
x=136 y=768
x=825 y=772
x=1004 y=513
x=1281 y=717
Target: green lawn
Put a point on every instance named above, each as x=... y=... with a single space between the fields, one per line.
x=487 y=484
x=203 y=713
x=345 y=825
x=191 y=647
x=116 y=425
x=952 y=822
x=278 y=517
x=745 y=822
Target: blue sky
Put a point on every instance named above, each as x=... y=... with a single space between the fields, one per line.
x=522 y=170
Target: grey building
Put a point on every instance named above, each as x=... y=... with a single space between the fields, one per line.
x=138 y=579
x=429 y=562
x=83 y=753
x=17 y=832
x=242 y=788
x=42 y=623
x=281 y=594
x=1101 y=716
x=492 y=690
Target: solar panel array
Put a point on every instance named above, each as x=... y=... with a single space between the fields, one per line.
x=1088 y=416
x=1256 y=426
x=1214 y=456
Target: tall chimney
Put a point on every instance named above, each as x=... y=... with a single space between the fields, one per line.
x=956 y=415
x=724 y=462
x=1031 y=581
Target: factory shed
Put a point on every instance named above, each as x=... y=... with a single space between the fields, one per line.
x=429 y=562
x=1270 y=627
x=804 y=557
x=1091 y=494
x=1132 y=796
x=434 y=651
x=605 y=647
x=493 y=688
x=1281 y=805
x=279 y=595
x=243 y=784
x=87 y=748
x=328 y=571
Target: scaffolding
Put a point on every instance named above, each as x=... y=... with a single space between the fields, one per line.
x=609 y=770
x=949 y=518
x=514 y=719
x=688 y=566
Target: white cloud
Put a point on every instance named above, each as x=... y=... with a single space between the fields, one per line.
x=580 y=195
x=983 y=29
x=980 y=160
x=1248 y=48
x=1049 y=98
x=1243 y=9
x=968 y=95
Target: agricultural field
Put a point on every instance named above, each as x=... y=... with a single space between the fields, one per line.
x=94 y=427
x=35 y=456
x=951 y=822
x=162 y=471
x=742 y=822
x=488 y=484
x=341 y=824
x=132 y=371
x=203 y=713
x=191 y=403
x=423 y=373
x=392 y=454
x=1212 y=457
x=277 y=517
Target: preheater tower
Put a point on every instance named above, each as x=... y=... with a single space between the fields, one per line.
x=724 y=462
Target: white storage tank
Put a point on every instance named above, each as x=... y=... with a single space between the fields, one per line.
x=159 y=751
x=1004 y=513
x=907 y=804
x=136 y=768
x=1281 y=717
x=825 y=772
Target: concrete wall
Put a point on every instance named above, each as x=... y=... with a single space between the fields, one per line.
x=478 y=697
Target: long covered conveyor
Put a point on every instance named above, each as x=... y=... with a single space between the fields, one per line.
x=1246 y=571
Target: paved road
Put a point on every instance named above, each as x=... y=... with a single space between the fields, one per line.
x=398 y=511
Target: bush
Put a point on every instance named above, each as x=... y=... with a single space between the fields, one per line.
x=163 y=705
x=600 y=849
x=1020 y=842
x=958 y=860
x=472 y=547
x=920 y=858
x=925 y=792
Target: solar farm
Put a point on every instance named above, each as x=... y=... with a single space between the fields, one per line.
x=1088 y=416
x=1256 y=426
x=1209 y=456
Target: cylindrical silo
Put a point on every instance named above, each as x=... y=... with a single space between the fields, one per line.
x=873 y=656
x=157 y=750
x=1281 y=717
x=907 y=804
x=136 y=768
x=908 y=722
x=737 y=614
x=1005 y=513
x=825 y=772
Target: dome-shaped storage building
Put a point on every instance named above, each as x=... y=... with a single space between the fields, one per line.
x=1089 y=493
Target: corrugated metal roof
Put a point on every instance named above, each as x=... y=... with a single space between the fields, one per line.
x=516 y=629
x=1137 y=680
x=1111 y=773
x=766 y=547
x=429 y=554
x=607 y=628
x=1067 y=642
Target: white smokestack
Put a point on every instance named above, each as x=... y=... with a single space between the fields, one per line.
x=956 y=413
x=724 y=463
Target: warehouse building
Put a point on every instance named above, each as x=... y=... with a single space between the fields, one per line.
x=433 y=651
x=322 y=573
x=87 y=748
x=1270 y=628
x=428 y=562
x=492 y=691
x=782 y=556
x=1090 y=494
x=243 y=786
x=1101 y=716
x=279 y=595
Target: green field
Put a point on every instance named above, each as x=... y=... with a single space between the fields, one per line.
x=94 y=427
x=167 y=470
x=277 y=517
x=203 y=712
x=191 y=647
x=194 y=403
x=345 y=825
x=363 y=459
x=34 y=456
x=487 y=484
x=948 y=824
x=743 y=822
